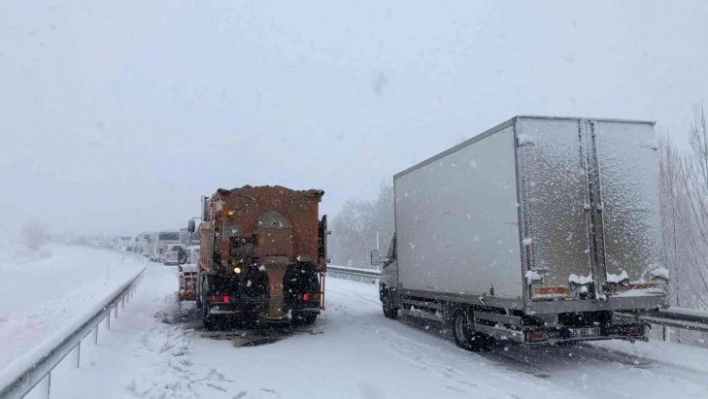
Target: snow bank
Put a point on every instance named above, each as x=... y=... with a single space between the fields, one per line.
x=12 y=252
x=24 y=362
x=43 y=296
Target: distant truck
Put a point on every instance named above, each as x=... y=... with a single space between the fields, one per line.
x=159 y=241
x=263 y=257
x=539 y=230
x=142 y=244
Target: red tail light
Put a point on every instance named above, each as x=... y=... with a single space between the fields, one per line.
x=305 y=297
x=537 y=336
x=634 y=331
x=220 y=299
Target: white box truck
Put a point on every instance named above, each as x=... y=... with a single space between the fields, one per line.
x=539 y=230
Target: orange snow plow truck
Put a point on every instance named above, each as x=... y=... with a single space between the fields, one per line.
x=262 y=258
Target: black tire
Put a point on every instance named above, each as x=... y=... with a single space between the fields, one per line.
x=246 y=321
x=567 y=344
x=389 y=312
x=465 y=336
x=309 y=318
x=304 y=318
x=207 y=319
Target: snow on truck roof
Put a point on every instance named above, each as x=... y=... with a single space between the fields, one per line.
x=221 y=192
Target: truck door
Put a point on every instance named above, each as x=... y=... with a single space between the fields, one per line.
x=590 y=205
x=322 y=260
x=554 y=205
x=322 y=240
x=628 y=176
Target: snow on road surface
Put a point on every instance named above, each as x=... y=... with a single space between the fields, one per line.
x=40 y=296
x=356 y=353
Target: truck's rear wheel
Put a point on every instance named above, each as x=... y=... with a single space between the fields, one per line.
x=305 y=318
x=246 y=320
x=465 y=335
x=207 y=319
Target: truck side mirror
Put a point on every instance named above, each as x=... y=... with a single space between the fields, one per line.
x=375 y=259
x=191 y=226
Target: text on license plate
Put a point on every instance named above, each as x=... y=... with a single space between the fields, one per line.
x=584 y=332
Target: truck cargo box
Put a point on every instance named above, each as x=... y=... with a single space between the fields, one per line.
x=540 y=215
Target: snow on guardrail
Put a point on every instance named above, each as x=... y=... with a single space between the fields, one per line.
x=363 y=275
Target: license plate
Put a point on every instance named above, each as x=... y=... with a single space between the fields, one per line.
x=585 y=332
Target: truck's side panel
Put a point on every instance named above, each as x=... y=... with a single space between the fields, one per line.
x=457 y=221
x=629 y=174
x=555 y=187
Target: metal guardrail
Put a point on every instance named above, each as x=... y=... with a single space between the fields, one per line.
x=19 y=379
x=686 y=319
x=354 y=273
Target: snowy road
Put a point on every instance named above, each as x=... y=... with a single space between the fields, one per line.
x=41 y=296
x=357 y=353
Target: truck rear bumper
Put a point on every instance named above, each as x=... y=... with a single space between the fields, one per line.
x=256 y=308
x=237 y=308
x=555 y=335
x=612 y=303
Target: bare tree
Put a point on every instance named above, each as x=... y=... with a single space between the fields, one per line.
x=684 y=199
x=356 y=227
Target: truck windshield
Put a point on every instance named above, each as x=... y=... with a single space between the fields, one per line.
x=168 y=237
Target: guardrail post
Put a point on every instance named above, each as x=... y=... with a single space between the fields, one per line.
x=48 y=383
x=108 y=319
x=95 y=334
x=122 y=302
x=78 y=355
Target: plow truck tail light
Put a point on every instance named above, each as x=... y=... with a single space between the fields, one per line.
x=220 y=299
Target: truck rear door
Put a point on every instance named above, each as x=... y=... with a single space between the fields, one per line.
x=590 y=206
x=629 y=190
x=553 y=204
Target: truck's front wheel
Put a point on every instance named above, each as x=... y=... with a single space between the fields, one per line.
x=388 y=311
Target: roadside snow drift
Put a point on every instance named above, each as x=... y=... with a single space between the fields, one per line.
x=43 y=295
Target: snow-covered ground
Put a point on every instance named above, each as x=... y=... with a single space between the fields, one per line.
x=354 y=352
x=41 y=293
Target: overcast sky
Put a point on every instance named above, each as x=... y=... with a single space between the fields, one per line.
x=116 y=116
